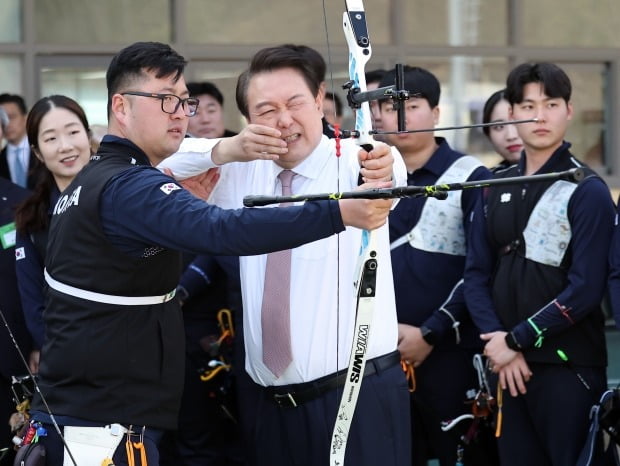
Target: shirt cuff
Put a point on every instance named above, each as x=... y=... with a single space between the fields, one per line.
x=524 y=335
x=194 y=280
x=336 y=216
x=193 y=158
x=439 y=323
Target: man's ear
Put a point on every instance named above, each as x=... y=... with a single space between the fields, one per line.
x=319 y=99
x=119 y=107
x=436 y=113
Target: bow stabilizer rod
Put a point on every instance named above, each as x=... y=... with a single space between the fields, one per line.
x=439 y=191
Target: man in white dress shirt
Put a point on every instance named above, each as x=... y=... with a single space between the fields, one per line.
x=297 y=410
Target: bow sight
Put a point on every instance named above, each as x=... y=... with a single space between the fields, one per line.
x=396 y=92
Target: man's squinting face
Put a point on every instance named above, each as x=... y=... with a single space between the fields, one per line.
x=209 y=119
x=281 y=99
x=157 y=133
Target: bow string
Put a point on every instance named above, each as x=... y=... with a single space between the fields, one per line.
x=356 y=33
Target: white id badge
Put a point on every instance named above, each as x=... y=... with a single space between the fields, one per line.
x=91 y=445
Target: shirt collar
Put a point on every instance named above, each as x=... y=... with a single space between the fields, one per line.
x=23 y=144
x=554 y=163
x=136 y=152
x=312 y=166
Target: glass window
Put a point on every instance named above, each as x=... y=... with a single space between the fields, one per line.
x=10 y=21
x=456 y=22
x=586 y=132
x=102 y=22
x=278 y=21
x=11 y=74
x=565 y=23
x=86 y=85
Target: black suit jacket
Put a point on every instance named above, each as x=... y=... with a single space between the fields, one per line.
x=10 y=363
x=6 y=173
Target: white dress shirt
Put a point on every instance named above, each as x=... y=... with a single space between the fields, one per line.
x=323 y=301
x=21 y=151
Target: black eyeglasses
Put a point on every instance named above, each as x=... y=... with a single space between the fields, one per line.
x=170 y=103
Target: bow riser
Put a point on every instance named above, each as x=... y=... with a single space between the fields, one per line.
x=360 y=51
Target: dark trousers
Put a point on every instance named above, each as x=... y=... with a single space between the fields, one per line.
x=248 y=396
x=548 y=425
x=208 y=432
x=442 y=382
x=54 y=448
x=301 y=436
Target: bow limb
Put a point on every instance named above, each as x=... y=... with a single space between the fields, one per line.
x=354 y=24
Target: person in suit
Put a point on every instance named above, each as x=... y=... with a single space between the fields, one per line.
x=209 y=119
x=15 y=161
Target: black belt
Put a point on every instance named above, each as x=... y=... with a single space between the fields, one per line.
x=291 y=396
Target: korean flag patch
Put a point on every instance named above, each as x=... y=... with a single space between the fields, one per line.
x=169 y=187
x=20 y=254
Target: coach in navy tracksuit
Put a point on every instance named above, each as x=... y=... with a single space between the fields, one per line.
x=535 y=277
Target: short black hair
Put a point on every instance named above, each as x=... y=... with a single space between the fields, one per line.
x=554 y=81
x=489 y=106
x=132 y=62
x=337 y=102
x=314 y=58
x=299 y=57
x=205 y=88
x=417 y=81
x=374 y=76
x=14 y=99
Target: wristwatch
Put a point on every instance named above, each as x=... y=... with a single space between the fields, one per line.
x=512 y=343
x=428 y=335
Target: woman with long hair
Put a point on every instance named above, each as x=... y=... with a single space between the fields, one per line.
x=504 y=138
x=58 y=133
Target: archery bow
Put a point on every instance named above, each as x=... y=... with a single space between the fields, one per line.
x=356 y=33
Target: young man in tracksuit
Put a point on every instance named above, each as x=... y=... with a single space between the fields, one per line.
x=428 y=257
x=535 y=276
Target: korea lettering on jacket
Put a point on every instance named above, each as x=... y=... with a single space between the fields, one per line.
x=67 y=200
